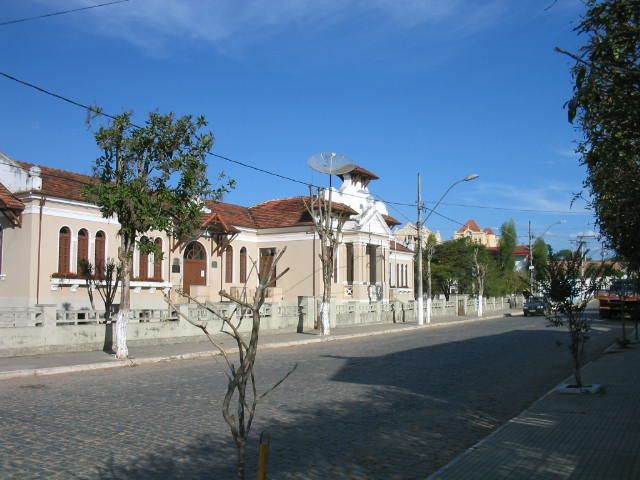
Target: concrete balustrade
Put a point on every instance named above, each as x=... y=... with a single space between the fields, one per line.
x=47 y=328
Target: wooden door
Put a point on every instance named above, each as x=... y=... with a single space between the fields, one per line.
x=195 y=266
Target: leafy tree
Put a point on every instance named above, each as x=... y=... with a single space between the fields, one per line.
x=560 y=255
x=508 y=242
x=495 y=284
x=605 y=104
x=540 y=259
x=152 y=177
x=451 y=266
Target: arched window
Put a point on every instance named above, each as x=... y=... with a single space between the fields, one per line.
x=243 y=265
x=228 y=274
x=83 y=251
x=143 y=270
x=157 y=260
x=64 y=250
x=100 y=253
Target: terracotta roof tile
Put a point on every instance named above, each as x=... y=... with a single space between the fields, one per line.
x=8 y=201
x=271 y=214
x=520 y=250
x=391 y=221
x=398 y=247
x=287 y=212
x=61 y=183
x=233 y=214
x=488 y=231
x=470 y=225
x=363 y=172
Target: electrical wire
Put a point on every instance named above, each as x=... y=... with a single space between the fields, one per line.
x=525 y=210
x=99 y=112
x=63 y=12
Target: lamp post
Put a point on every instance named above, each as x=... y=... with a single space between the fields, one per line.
x=419 y=224
x=531 y=265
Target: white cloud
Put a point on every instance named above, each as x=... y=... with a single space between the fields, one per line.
x=550 y=197
x=228 y=24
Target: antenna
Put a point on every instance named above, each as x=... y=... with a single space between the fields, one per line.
x=331 y=163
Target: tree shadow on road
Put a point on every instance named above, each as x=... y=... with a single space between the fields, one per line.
x=417 y=409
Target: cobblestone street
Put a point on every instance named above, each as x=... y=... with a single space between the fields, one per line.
x=390 y=406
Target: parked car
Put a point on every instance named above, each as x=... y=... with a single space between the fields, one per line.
x=535 y=306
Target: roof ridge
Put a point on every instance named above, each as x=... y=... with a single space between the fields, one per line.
x=277 y=200
x=61 y=170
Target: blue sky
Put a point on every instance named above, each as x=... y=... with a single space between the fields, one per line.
x=441 y=87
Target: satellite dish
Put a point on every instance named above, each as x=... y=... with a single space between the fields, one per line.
x=331 y=163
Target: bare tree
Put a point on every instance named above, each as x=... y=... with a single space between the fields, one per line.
x=569 y=288
x=429 y=249
x=241 y=375
x=328 y=221
x=479 y=273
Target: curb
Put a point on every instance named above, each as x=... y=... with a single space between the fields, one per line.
x=135 y=362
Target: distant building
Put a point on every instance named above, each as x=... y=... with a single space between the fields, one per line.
x=483 y=236
x=520 y=256
x=409 y=234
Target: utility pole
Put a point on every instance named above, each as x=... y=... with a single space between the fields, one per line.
x=419 y=228
x=531 y=266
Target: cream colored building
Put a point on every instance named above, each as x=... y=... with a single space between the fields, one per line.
x=408 y=235
x=483 y=236
x=47 y=229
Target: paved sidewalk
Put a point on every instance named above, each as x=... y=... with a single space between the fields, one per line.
x=567 y=436
x=55 y=363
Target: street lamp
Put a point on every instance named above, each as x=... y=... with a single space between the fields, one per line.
x=468 y=178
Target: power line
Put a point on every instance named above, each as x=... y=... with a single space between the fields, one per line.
x=526 y=210
x=98 y=111
x=63 y=12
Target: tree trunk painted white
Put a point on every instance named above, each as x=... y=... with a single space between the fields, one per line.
x=429 y=293
x=480 y=304
x=122 y=351
x=324 y=318
x=420 y=309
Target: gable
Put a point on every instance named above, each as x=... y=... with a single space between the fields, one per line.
x=371 y=222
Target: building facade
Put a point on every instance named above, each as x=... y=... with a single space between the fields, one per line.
x=48 y=230
x=408 y=235
x=482 y=236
